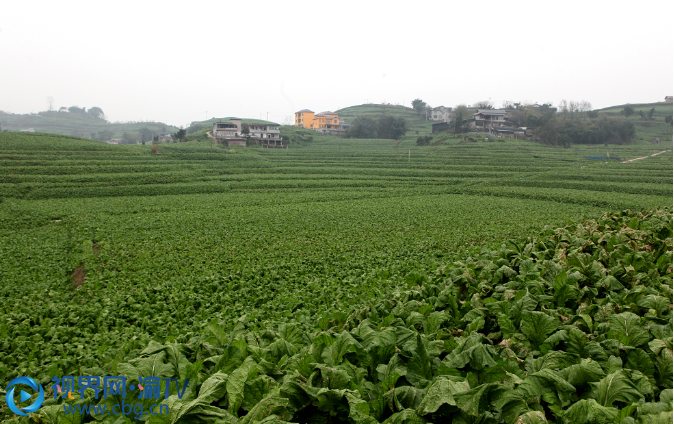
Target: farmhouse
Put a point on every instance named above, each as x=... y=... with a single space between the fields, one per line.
x=488 y=118
x=165 y=137
x=441 y=113
x=668 y=98
x=234 y=132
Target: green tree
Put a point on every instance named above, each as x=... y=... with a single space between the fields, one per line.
x=180 y=135
x=461 y=116
x=651 y=113
x=592 y=114
x=668 y=119
x=485 y=104
x=96 y=112
x=362 y=127
x=628 y=111
x=128 y=139
x=559 y=131
x=390 y=127
x=424 y=141
x=245 y=130
x=75 y=109
x=105 y=135
x=642 y=114
x=145 y=134
x=419 y=105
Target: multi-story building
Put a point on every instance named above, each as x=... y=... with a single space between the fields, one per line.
x=231 y=131
x=441 y=113
x=324 y=122
x=488 y=118
x=304 y=118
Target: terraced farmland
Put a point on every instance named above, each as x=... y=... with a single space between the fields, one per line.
x=205 y=248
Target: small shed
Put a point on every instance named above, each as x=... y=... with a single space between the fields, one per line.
x=441 y=126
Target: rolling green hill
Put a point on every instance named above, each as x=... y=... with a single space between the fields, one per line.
x=77 y=125
x=646 y=129
x=418 y=125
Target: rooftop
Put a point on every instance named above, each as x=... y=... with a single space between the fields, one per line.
x=305 y=110
x=490 y=112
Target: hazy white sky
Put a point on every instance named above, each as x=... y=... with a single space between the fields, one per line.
x=178 y=62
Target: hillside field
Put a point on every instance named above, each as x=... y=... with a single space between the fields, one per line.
x=75 y=124
x=341 y=280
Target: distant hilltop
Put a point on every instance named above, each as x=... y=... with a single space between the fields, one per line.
x=84 y=123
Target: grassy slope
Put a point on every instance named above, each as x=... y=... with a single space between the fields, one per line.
x=75 y=124
x=417 y=124
x=647 y=130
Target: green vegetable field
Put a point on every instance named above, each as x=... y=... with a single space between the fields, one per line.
x=339 y=280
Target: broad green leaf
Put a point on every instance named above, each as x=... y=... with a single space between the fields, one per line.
x=344 y=344
x=578 y=344
x=219 y=333
x=434 y=321
x=269 y=406
x=588 y=411
x=626 y=328
x=506 y=326
x=359 y=410
x=419 y=367
x=477 y=400
x=404 y=397
x=477 y=356
x=332 y=377
x=526 y=303
x=537 y=326
x=553 y=360
x=230 y=360
x=440 y=392
x=661 y=418
x=639 y=360
x=579 y=374
x=407 y=416
x=545 y=381
x=532 y=417
x=292 y=333
x=615 y=387
x=255 y=390
x=476 y=325
x=236 y=383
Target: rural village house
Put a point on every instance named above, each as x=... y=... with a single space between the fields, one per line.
x=165 y=137
x=324 y=122
x=488 y=118
x=263 y=134
x=441 y=113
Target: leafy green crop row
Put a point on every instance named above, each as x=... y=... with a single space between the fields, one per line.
x=573 y=325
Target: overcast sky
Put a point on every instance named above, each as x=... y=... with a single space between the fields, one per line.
x=185 y=61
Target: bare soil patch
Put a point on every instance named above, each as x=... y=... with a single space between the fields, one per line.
x=78 y=276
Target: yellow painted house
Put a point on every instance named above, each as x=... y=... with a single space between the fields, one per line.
x=304 y=118
x=320 y=121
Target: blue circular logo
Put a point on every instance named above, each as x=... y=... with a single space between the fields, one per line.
x=9 y=398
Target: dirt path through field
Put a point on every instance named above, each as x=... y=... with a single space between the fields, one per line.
x=645 y=157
